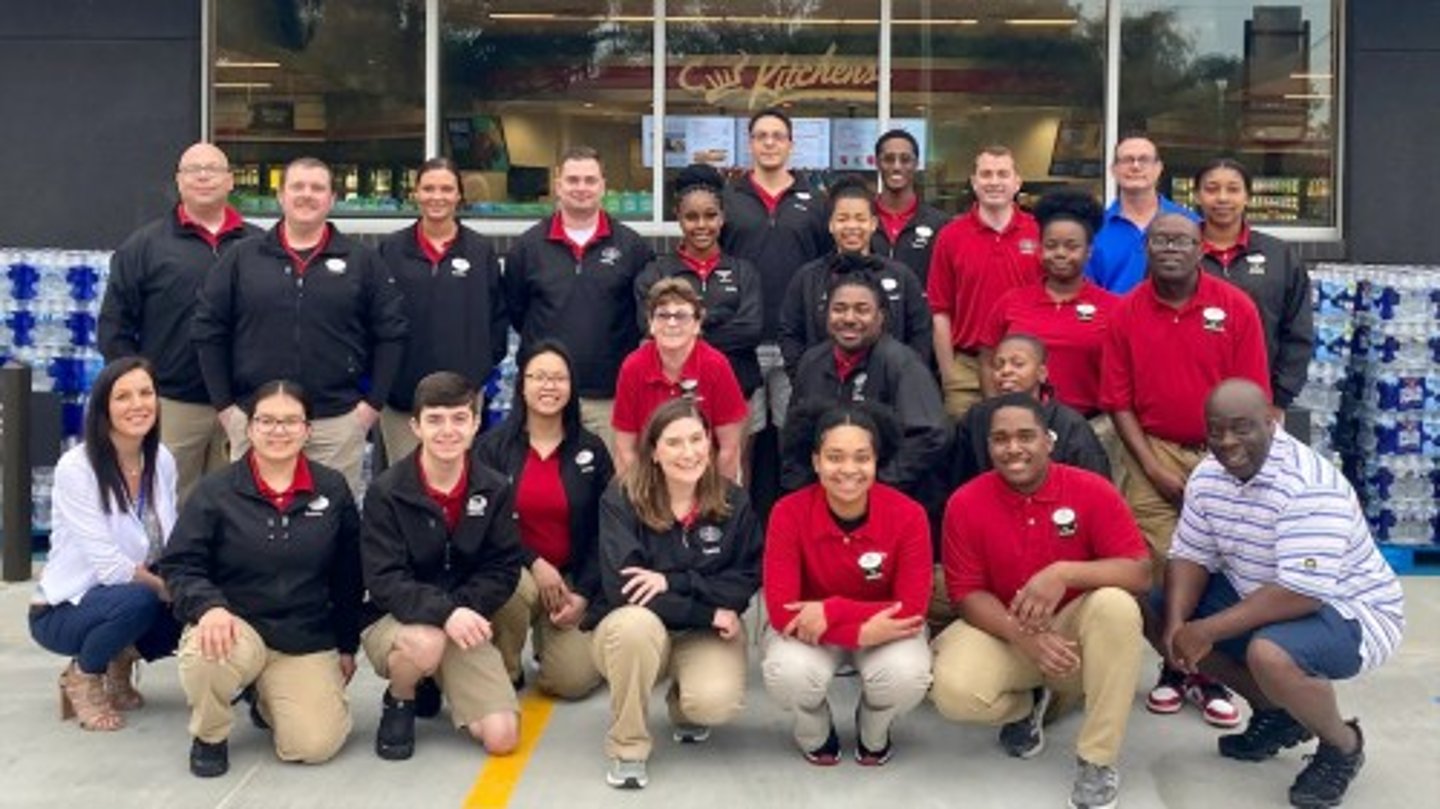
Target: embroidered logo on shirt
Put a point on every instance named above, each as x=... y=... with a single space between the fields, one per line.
x=317 y=506
x=871 y=563
x=584 y=457
x=1214 y=318
x=1026 y=247
x=710 y=537
x=1064 y=519
x=1310 y=564
x=476 y=505
x=857 y=393
x=1256 y=262
x=724 y=276
x=609 y=256
x=459 y=267
x=889 y=284
x=335 y=265
x=1085 y=312
x=805 y=195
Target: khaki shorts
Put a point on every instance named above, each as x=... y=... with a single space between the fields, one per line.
x=472 y=680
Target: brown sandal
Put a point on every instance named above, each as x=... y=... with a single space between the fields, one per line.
x=119 y=681
x=83 y=697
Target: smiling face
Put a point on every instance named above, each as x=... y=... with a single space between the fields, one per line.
x=133 y=405
x=675 y=325
x=897 y=164
x=203 y=177
x=580 y=187
x=1238 y=428
x=1173 y=246
x=995 y=181
x=852 y=223
x=682 y=451
x=700 y=218
x=1137 y=166
x=306 y=197
x=545 y=384
x=1065 y=248
x=1020 y=448
x=1018 y=368
x=854 y=317
x=278 y=428
x=437 y=192
x=770 y=144
x=1222 y=197
x=845 y=465
x=445 y=433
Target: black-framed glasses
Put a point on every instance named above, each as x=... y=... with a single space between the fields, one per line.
x=270 y=424
x=1163 y=242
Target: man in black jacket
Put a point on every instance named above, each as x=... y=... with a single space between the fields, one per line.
x=441 y=554
x=304 y=303
x=150 y=299
x=908 y=226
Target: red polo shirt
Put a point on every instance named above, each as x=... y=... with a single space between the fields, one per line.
x=894 y=221
x=1073 y=332
x=543 y=509
x=809 y=558
x=232 y=221
x=973 y=265
x=300 y=483
x=557 y=234
x=995 y=538
x=1161 y=362
x=449 y=502
x=642 y=386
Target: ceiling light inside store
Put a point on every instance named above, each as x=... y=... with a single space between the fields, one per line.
x=243 y=85
x=526 y=16
x=1307 y=96
x=247 y=65
x=1313 y=76
x=1039 y=22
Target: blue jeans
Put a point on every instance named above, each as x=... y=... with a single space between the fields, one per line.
x=107 y=620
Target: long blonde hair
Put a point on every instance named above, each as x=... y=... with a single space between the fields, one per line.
x=644 y=483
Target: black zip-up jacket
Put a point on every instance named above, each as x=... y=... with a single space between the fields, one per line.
x=891 y=375
x=915 y=242
x=155 y=276
x=294 y=576
x=585 y=471
x=1271 y=273
x=588 y=304
x=734 y=309
x=418 y=570
x=1075 y=442
x=804 y=315
x=777 y=245
x=707 y=566
x=328 y=328
x=455 y=310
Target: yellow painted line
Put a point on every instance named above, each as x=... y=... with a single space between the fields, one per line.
x=501 y=774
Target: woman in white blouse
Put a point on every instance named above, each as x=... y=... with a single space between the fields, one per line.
x=98 y=600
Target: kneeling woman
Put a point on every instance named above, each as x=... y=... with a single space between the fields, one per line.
x=679 y=561
x=264 y=565
x=847 y=580
x=98 y=599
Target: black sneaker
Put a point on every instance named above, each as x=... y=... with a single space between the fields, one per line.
x=827 y=754
x=427 y=698
x=1266 y=734
x=209 y=760
x=1025 y=737
x=1328 y=774
x=395 y=738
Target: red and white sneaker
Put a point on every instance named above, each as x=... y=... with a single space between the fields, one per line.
x=1214 y=700
x=1168 y=695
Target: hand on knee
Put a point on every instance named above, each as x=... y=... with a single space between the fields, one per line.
x=498 y=733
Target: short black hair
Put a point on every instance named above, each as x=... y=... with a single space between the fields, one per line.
x=898 y=133
x=807 y=425
x=772 y=112
x=699 y=177
x=1071 y=205
x=1218 y=163
x=851 y=186
x=855 y=269
x=445 y=389
x=1024 y=401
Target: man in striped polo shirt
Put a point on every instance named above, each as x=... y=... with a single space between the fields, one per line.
x=1304 y=596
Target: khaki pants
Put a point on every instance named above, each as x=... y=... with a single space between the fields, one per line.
x=980 y=678
x=395 y=432
x=962 y=388
x=941 y=613
x=337 y=442
x=633 y=651
x=893 y=680
x=1156 y=516
x=595 y=417
x=301 y=696
x=473 y=680
x=566 y=668
x=193 y=434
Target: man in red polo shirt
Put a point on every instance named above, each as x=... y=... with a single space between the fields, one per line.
x=1044 y=563
x=978 y=257
x=678 y=363
x=1171 y=341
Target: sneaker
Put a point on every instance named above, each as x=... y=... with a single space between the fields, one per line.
x=1214 y=701
x=1268 y=732
x=1328 y=774
x=1168 y=694
x=1096 y=786
x=624 y=774
x=427 y=698
x=395 y=738
x=827 y=754
x=864 y=756
x=1025 y=737
x=209 y=760
x=692 y=734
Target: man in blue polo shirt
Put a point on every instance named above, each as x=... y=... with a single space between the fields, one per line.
x=1117 y=257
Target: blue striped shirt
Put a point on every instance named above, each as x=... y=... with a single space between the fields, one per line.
x=1297 y=524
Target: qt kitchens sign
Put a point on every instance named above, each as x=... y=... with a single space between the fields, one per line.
x=763 y=81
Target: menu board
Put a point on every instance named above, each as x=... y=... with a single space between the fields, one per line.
x=691 y=139
x=809 y=136
x=847 y=144
x=853 y=141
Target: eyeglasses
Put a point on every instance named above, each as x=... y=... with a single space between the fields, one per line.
x=1172 y=242
x=1141 y=160
x=548 y=379
x=270 y=424
x=678 y=318
x=777 y=137
x=198 y=169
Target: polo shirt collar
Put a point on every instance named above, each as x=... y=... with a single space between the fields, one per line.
x=655 y=370
x=557 y=232
x=302 y=482
x=1050 y=491
x=981 y=224
x=823 y=523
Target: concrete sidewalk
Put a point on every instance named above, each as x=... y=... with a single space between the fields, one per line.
x=1169 y=761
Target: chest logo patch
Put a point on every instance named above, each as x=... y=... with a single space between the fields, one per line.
x=1256 y=263
x=335 y=265
x=924 y=231
x=459 y=267
x=857 y=393
x=317 y=506
x=476 y=505
x=1085 y=312
x=1214 y=318
x=1026 y=247
x=1065 y=521
x=871 y=564
x=889 y=284
x=609 y=256
x=584 y=457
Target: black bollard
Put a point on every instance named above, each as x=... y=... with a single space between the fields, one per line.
x=15 y=477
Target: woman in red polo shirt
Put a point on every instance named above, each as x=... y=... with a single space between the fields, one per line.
x=675 y=364
x=559 y=470
x=847 y=573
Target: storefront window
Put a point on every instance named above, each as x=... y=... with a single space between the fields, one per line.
x=816 y=59
x=1029 y=76
x=524 y=80
x=1251 y=81
x=344 y=82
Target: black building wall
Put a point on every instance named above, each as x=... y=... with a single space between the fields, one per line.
x=97 y=100
x=1392 y=144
